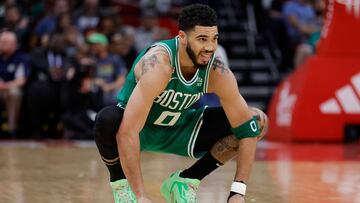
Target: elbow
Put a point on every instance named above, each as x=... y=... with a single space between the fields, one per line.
x=264 y=126
x=262 y=121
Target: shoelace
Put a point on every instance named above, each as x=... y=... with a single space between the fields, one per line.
x=191 y=195
x=124 y=194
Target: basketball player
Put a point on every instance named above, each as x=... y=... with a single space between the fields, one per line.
x=154 y=114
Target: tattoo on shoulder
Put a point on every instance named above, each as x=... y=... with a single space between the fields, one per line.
x=151 y=60
x=219 y=64
x=148 y=63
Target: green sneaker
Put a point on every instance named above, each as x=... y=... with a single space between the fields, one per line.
x=122 y=192
x=179 y=190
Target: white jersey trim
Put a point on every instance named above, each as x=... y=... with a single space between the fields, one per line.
x=167 y=49
x=194 y=135
x=178 y=68
x=208 y=69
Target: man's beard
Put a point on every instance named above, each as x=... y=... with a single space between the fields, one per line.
x=192 y=56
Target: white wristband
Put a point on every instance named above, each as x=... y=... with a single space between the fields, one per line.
x=238 y=187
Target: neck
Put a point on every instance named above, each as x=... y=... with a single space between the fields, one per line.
x=187 y=66
x=185 y=60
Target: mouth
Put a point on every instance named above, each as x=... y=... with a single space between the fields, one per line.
x=205 y=56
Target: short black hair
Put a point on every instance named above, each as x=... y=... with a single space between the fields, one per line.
x=197 y=14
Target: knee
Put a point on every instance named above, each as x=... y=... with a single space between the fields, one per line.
x=107 y=121
x=103 y=116
x=262 y=120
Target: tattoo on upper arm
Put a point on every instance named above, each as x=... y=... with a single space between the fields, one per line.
x=219 y=64
x=151 y=61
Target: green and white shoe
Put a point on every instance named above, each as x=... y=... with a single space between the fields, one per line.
x=122 y=192
x=179 y=190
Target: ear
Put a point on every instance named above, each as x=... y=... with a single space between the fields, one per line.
x=182 y=37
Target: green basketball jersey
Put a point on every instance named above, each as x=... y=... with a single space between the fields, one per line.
x=171 y=107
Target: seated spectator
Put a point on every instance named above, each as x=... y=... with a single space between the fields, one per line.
x=63 y=22
x=122 y=44
x=88 y=16
x=13 y=71
x=5 y=4
x=279 y=33
x=80 y=102
x=110 y=69
x=18 y=24
x=49 y=22
x=72 y=37
x=107 y=25
x=49 y=67
x=308 y=47
x=301 y=20
x=35 y=10
x=74 y=40
x=161 y=6
x=149 y=31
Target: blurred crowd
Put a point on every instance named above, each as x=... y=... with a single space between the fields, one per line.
x=61 y=61
x=295 y=26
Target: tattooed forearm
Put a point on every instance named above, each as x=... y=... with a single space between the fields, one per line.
x=225 y=149
x=219 y=64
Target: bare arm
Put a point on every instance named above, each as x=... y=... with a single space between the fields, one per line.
x=17 y=83
x=153 y=73
x=307 y=29
x=223 y=83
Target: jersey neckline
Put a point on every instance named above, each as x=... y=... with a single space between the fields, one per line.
x=178 y=68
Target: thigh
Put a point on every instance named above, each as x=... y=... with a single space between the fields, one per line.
x=214 y=127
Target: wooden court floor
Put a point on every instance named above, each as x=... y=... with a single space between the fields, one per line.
x=72 y=172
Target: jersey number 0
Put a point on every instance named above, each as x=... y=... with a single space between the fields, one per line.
x=167 y=118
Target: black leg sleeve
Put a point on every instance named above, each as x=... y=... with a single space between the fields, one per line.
x=215 y=127
x=106 y=125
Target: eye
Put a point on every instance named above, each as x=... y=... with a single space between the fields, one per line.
x=202 y=39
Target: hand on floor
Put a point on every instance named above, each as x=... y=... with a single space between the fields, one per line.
x=237 y=199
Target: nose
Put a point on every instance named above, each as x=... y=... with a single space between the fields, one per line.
x=210 y=47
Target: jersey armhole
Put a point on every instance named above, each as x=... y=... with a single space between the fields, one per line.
x=167 y=48
x=207 y=74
